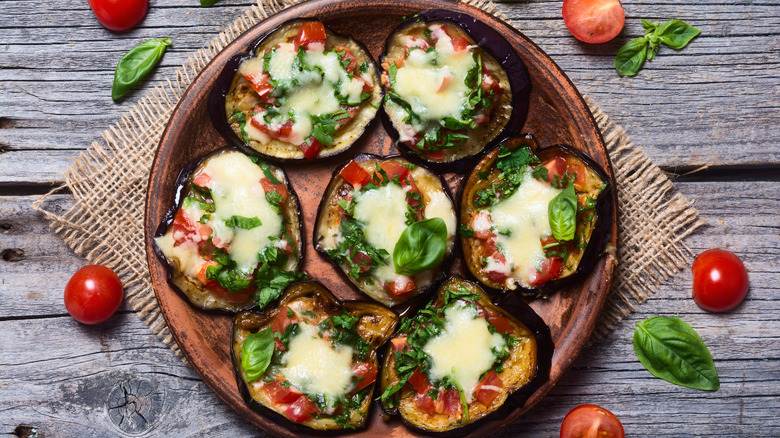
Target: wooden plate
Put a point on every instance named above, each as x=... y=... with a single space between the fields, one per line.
x=557 y=114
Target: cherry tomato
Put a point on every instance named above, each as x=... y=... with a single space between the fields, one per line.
x=591 y=421
x=93 y=294
x=720 y=280
x=119 y=15
x=594 y=21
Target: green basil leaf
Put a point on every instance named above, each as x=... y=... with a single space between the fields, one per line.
x=207 y=3
x=421 y=247
x=676 y=33
x=136 y=64
x=671 y=350
x=256 y=353
x=268 y=173
x=246 y=223
x=631 y=57
x=562 y=214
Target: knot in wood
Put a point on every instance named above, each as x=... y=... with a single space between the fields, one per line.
x=135 y=405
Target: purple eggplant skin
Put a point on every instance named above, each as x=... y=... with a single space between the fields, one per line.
x=496 y=46
x=545 y=348
x=181 y=185
x=216 y=104
x=600 y=236
x=402 y=306
x=328 y=304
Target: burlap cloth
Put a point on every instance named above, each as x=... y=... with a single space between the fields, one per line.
x=109 y=182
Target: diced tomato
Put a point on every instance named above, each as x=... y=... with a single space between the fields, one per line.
x=202 y=273
x=425 y=403
x=448 y=402
x=283 y=133
x=301 y=409
x=445 y=82
x=310 y=32
x=279 y=393
x=548 y=240
x=311 y=148
x=348 y=55
x=419 y=382
x=281 y=320
x=499 y=322
x=393 y=169
x=279 y=345
x=366 y=373
x=363 y=260
x=579 y=171
x=202 y=180
x=488 y=388
x=460 y=43
x=399 y=344
x=355 y=174
x=399 y=287
x=556 y=167
x=288 y=249
x=438 y=33
x=185 y=229
x=229 y=296
x=481 y=224
x=498 y=277
x=437 y=155
x=491 y=249
x=414 y=42
x=268 y=186
x=260 y=83
x=551 y=268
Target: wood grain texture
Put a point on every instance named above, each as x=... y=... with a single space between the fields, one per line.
x=713 y=103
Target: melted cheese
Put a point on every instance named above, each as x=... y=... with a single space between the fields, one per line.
x=462 y=350
x=440 y=206
x=237 y=191
x=186 y=254
x=383 y=213
x=315 y=367
x=524 y=215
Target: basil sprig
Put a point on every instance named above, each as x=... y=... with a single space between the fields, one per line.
x=136 y=64
x=671 y=350
x=562 y=214
x=256 y=353
x=421 y=247
x=674 y=33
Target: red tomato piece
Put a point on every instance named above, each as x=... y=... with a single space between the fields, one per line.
x=348 y=55
x=281 y=320
x=551 y=268
x=399 y=288
x=93 y=294
x=279 y=393
x=425 y=403
x=229 y=296
x=419 y=382
x=310 y=32
x=202 y=273
x=311 y=148
x=489 y=388
x=400 y=344
x=448 y=402
x=460 y=43
x=268 y=186
x=556 y=167
x=720 y=280
x=593 y=21
x=119 y=15
x=185 y=228
x=260 y=83
x=499 y=322
x=591 y=421
x=355 y=174
x=498 y=277
x=579 y=171
x=393 y=169
x=301 y=409
x=202 y=180
x=366 y=375
x=362 y=259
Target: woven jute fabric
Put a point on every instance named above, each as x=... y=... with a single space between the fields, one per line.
x=109 y=181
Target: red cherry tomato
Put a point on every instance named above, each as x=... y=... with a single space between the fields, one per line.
x=119 y=15
x=594 y=21
x=591 y=421
x=93 y=294
x=720 y=280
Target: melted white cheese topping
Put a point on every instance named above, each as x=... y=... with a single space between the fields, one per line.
x=315 y=367
x=524 y=215
x=440 y=206
x=186 y=254
x=463 y=349
x=383 y=213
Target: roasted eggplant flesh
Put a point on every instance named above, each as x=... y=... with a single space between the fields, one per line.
x=235 y=236
x=311 y=359
x=529 y=216
x=457 y=360
x=389 y=225
x=306 y=93
x=447 y=98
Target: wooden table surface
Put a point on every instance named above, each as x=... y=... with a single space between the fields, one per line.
x=715 y=104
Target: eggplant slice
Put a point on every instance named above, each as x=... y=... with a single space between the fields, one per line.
x=389 y=225
x=532 y=219
x=312 y=359
x=447 y=96
x=460 y=358
x=233 y=240
x=307 y=93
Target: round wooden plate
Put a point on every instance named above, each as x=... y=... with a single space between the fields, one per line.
x=557 y=114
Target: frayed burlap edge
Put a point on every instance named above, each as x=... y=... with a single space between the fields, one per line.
x=109 y=181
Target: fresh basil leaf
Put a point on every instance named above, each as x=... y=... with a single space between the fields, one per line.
x=268 y=173
x=649 y=26
x=562 y=213
x=509 y=159
x=631 y=57
x=671 y=350
x=676 y=33
x=256 y=353
x=246 y=223
x=136 y=64
x=421 y=247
